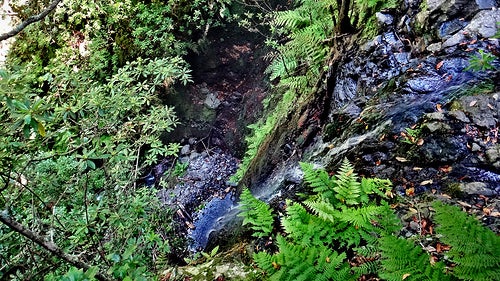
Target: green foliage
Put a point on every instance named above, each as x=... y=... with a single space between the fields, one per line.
x=320 y=232
x=83 y=113
x=474 y=249
x=403 y=260
x=297 y=262
x=256 y=213
x=481 y=62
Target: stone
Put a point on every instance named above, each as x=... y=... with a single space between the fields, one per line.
x=425 y=84
x=459 y=115
x=454 y=40
x=438 y=116
x=484 y=23
x=448 y=28
x=486 y=4
x=384 y=19
x=437 y=127
x=475 y=147
x=185 y=149
x=434 y=47
x=212 y=101
x=493 y=156
x=476 y=188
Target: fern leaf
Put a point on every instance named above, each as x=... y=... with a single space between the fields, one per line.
x=474 y=248
x=256 y=213
x=402 y=260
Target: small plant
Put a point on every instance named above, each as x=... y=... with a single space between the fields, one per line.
x=180 y=169
x=411 y=136
x=481 y=62
x=256 y=213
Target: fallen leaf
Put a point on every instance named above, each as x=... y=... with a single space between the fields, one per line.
x=495 y=214
x=440 y=64
x=441 y=248
x=446 y=169
x=406 y=275
x=378 y=162
x=491 y=106
x=472 y=103
x=417 y=169
x=420 y=142
x=401 y=159
x=430 y=249
x=439 y=107
x=410 y=191
x=486 y=211
x=464 y=204
x=426 y=182
x=446 y=196
x=413 y=210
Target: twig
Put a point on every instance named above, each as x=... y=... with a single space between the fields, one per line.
x=29 y=21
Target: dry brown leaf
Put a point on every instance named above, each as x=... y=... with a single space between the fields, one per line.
x=406 y=275
x=491 y=106
x=439 y=64
x=426 y=182
x=472 y=103
x=420 y=142
x=439 y=107
x=401 y=159
x=446 y=169
x=410 y=191
x=486 y=211
x=464 y=204
x=495 y=214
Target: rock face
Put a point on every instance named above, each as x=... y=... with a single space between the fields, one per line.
x=406 y=106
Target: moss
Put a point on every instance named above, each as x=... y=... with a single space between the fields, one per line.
x=453 y=189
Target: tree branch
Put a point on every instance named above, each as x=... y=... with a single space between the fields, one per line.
x=29 y=21
x=49 y=246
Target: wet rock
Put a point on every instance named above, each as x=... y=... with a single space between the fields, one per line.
x=185 y=149
x=437 y=127
x=493 y=156
x=454 y=40
x=448 y=28
x=486 y=4
x=484 y=23
x=475 y=147
x=440 y=149
x=459 y=115
x=435 y=47
x=425 y=84
x=212 y=101
x=481 y=111
x=385 y=19
x=437 y=116
x=344 y=91
x=476 y=188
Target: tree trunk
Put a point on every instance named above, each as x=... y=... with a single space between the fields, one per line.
x=344 y=22
x=49 y=246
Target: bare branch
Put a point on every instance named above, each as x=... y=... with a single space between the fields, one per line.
x=49 y=246
x=29 y=21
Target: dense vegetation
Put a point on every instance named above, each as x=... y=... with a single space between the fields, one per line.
x=347 y=229
x=83 y=112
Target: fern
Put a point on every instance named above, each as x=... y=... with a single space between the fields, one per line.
x=402 y=260
x=256 y=213
x=297 y=262
x=474 y=248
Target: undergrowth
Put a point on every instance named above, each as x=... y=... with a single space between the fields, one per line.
x=347 y=230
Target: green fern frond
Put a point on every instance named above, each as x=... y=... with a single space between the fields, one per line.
x=318 y=180
x=256 y=213
x=474 y=248
x=403 y=260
